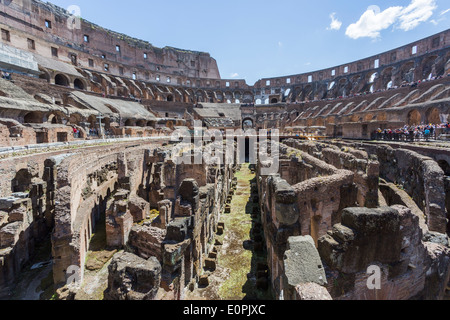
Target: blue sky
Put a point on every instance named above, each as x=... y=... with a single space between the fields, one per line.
x=254 y=39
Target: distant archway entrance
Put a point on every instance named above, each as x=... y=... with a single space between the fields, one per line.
x=247 y=124
x=61 y=80
x=414 y=118
x=433 y=116
x=78 y=84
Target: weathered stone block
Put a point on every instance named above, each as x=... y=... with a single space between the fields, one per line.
x=133 y=278
x=302 y=262
x=210 y=264
x=177 y=230
x=311 y=292
x=139 y=208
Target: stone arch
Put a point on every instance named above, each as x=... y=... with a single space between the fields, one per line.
x=62 y=80
x=372 y=81
x=386 y=77
x=45 y=75
x=79 y=84
x=414 y=118
x=200 y=96
x=306 y=93
x=211 y=96
x=319 y=122
x=382 y=116
x=344 y=87
x=75 y=119
x=368 y=117
x=219 y=95
x=428 y=67
x=274 y=100
x=248 y=97
x=53 y=118
x=34 y=117
x=407 y=72
x=130 y=123
x=141 y=123
x=228 y=95
x=445 y=166
x=248 y=123
x=433 y=116
x=21 y=181
x=169 y=98
x=92 y=120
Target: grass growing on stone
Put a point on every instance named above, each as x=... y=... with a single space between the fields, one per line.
x=238 y=225
x=98 y=253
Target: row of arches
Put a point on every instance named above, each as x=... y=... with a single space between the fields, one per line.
x=371 y=81
x=64 y=80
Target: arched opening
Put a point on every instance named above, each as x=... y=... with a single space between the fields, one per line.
x=445 y=167
x=78 y=84
x=414 y=118
x=22 y=181
x=45 y=75
x=389 y=85
x=53 y=119
x=407 y=72
x=433 y=116
x=61 y=80
x=33 y=117
x=129 y=123
x=74 y=119
x=141 y=123
x=170 y=98
x=274 y=100
x=258 y=101
x=428 y=67
x=247 y=124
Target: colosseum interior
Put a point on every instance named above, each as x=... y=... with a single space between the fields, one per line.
x=94 y=205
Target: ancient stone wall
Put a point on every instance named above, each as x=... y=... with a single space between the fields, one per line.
x=308 y=203
x=390 y=239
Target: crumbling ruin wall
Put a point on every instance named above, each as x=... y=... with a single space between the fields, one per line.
x=366 y=168
x=419 y=176
x=182 y=236
x=309 y=203
x=26 y=212
x=391 y=239
x=89 y=185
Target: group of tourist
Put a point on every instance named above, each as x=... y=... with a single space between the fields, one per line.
x=411 y=133
x=93 y=132
x=76 y=133
x=6 y=75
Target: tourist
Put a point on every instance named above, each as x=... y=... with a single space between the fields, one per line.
x=427 y=134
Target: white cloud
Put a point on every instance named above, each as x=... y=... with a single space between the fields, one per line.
x=372 y=22
x=335 y=23
x=418 y=11
x=234 y=75
x=407 y=18
x=445 y=11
